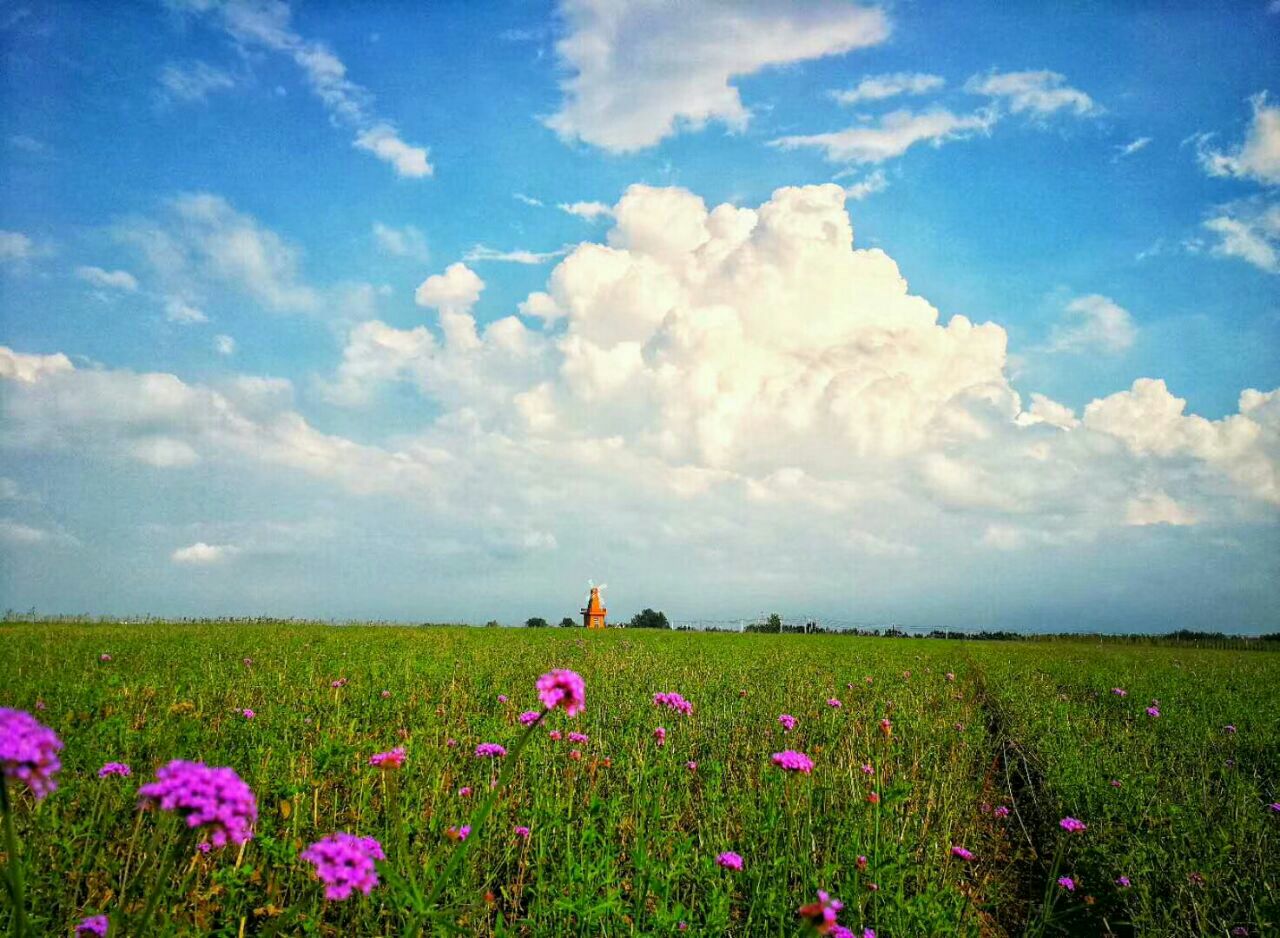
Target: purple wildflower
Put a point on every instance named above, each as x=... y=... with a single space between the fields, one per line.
x=391 y=759
x=963 y=854
x=1119 y=692
x=451 y=743
x=788 y=722
x=563 y=688
x=104 y=657
x=1116 y=783
x=385 y=695
x=114 y=768
x=1153 y=711
x=490 y=751
x=459 y=833
x=729 y=860
x=691 y=766
x=502 y=698
x=579 y=738
x=1067 y=883
x=1229 y=728
x=867 y=769
x=1072 y=825
x=834 y=703
x=464 y=791
x=28 y=751
x=340 y=682
x=344 y=863
x=93 y=925
x=660 y=734
x=1001 y=811
x=248 y=714
x=205 y=796
x=529 y=717
x=1274 y=806
x=839 y=931
x=673 y=701
x=822 y=913
x=1240 y=931
x=522 y=832
x=1123 y=882
x=793 y=761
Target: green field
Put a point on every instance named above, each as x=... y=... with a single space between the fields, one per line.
x=624 y=839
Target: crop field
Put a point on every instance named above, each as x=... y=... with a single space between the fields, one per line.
x=945 y=777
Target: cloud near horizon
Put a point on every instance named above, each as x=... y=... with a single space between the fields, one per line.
x=702 y=373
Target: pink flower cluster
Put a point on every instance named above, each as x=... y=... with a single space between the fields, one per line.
x=1072 y=825
x=788 y=722
x=114 y=768
x=205 y=796
x=579 y=738
x=660 y=734
x=834 y=703
x=729 y=860
x=391 y=759
x=345 y=863
x=961 y=853
x=793 y=761
x=28 y=751
x=563 y=688
x=490 y=751
x=529 y=717
x=96 y=925
x=822 y=914
x=673 y=701
x=522 y=832
x=1067 y=883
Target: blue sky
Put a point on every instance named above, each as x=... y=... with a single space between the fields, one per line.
x=294 y=318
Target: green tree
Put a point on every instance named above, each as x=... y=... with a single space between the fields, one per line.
x=567 y=623
x=537 y=622
x=648 y=619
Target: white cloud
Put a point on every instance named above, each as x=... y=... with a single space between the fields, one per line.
x=1248 y=230
x=17 y=366
x=265 y=25
x=201 y=554
x=875 y=181
x=1033 y=92
x=224 y=345
x=193 y=81
x=385 y=143
x=18 y=249
x=1156 y=508
x=406 y=241
x=200 y=240
x=736 y=368
x=1094 y=324
x=19 y=535
x=891 y=135
x=527 y=200
x=641 y=71
x=1258 y=157
x=456 y=290
x=588 y=211
x=879 y=87
x=1132 y=147
x=108 y=279
x=178 y=310
x=481 y=253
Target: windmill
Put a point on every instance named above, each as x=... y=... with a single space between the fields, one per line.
x=593 y=613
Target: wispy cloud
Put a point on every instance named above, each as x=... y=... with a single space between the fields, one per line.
x=879 y=87
x=193 y=81
x=1128 y=149
x=517 y=256
x=892 y=135
x=267 y=26
x=1038 y=93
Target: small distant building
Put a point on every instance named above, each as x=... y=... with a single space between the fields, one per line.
x=593 y=615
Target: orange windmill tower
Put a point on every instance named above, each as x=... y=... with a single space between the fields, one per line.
x=594 y=613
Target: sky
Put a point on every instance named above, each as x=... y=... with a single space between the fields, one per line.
x=951 y=315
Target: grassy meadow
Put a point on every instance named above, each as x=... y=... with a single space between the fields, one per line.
x=624 y=832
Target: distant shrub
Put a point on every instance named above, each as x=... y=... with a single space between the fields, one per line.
x=537 y=622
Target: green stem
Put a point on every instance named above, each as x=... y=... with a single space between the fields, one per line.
x=482 y=812
x=165 y=867
x=14 y=866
